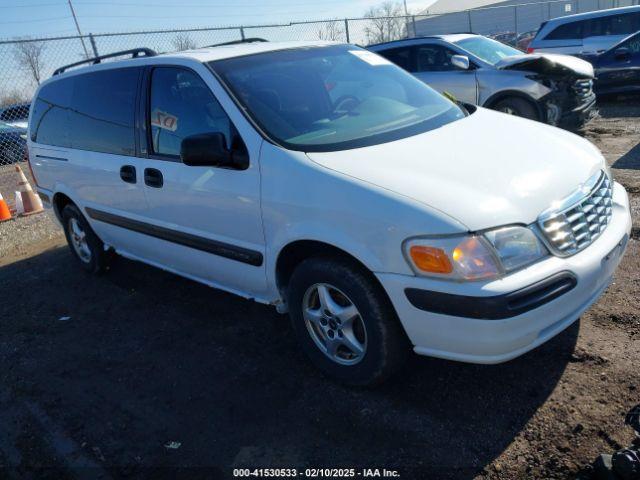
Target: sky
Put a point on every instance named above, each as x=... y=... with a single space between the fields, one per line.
x=39 y=18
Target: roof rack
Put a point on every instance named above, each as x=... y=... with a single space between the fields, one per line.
x=236 y=42
x=422 y=37
x=134 y=52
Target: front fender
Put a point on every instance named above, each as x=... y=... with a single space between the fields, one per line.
x=494 y=84
x=302 y=200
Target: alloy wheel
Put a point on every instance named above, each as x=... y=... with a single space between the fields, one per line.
x=335 y=324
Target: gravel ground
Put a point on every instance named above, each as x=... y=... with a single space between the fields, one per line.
x=100 y=374
x=17 y=236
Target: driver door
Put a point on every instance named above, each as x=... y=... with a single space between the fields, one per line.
x=433 y=66
x=620 y=69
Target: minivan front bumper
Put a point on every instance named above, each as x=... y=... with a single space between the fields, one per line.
x=497 y=321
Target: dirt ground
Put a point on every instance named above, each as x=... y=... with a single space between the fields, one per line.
x=98 y=375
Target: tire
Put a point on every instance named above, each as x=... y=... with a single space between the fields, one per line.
x=90 y=254
x=375 y=326
x=517 y=106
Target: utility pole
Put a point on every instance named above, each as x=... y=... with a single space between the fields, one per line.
x=406 y=18
x=75 y=19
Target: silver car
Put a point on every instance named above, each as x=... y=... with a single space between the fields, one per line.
x=586 y=33
x=556 y=89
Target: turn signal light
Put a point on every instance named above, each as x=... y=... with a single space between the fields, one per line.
x=430 y=259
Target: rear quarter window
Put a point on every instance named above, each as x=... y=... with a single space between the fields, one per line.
x=50 y=119
x=568 y=31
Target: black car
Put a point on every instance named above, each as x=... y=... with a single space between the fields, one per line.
x=16 y=114
x=617 y=69
x=13 y=143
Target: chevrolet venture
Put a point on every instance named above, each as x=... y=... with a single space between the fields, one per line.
x=324 y=180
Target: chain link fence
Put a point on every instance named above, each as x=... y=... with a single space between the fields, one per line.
x=24 y=63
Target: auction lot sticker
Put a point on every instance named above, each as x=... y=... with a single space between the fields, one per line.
x=164 y=120
x=315 y=473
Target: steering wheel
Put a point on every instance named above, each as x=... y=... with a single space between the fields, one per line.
x=346 y=103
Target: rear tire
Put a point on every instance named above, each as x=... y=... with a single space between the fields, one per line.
x=354 y=335
x=84 y=244
x=517 y=106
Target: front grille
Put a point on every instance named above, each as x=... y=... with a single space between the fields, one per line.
x=583 y=89
x=580 y=218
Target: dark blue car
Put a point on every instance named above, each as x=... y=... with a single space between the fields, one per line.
x=13 y=143
x=618 y=69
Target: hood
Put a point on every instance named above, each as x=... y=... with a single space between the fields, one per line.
x=486 y=170
x=548 y=64
x=591 y=57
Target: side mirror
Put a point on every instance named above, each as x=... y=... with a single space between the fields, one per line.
x=622 y=53
x=460 y=61
x=210 y=150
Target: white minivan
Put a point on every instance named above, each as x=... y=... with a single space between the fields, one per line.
x=322 y=179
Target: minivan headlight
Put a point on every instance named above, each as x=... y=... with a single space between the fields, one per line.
x=476 y=256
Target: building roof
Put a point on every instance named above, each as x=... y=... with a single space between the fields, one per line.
x=446 y=6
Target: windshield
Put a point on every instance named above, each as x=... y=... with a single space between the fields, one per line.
x=332 y=98
x=488 y=50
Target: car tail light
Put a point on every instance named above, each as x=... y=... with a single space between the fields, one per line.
x=530 y=50
x=28 y=160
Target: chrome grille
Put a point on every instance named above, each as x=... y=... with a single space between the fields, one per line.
x=580 y=218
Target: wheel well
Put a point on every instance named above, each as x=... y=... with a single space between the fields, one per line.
x=60 y=200
x=294 y=253
x=498 y=97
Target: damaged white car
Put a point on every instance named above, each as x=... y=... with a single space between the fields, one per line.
x=555 y=89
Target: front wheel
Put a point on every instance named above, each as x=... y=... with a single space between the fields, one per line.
x=344 y=321
x=517 y=106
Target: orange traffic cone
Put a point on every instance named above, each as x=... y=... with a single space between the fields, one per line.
x=5 y=213
x=25 y=198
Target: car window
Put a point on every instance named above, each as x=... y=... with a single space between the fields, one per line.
x=332 y=98
x=181 y=105
x=632 y=44
x=434 y=58
x=102 y=111
x=50 y=119
x=20 y=112
x=487 y=49
x=399 y=56
x=624 y=24
x=568 y=31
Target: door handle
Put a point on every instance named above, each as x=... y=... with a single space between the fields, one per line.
x=128 y=173
x=153 y=178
